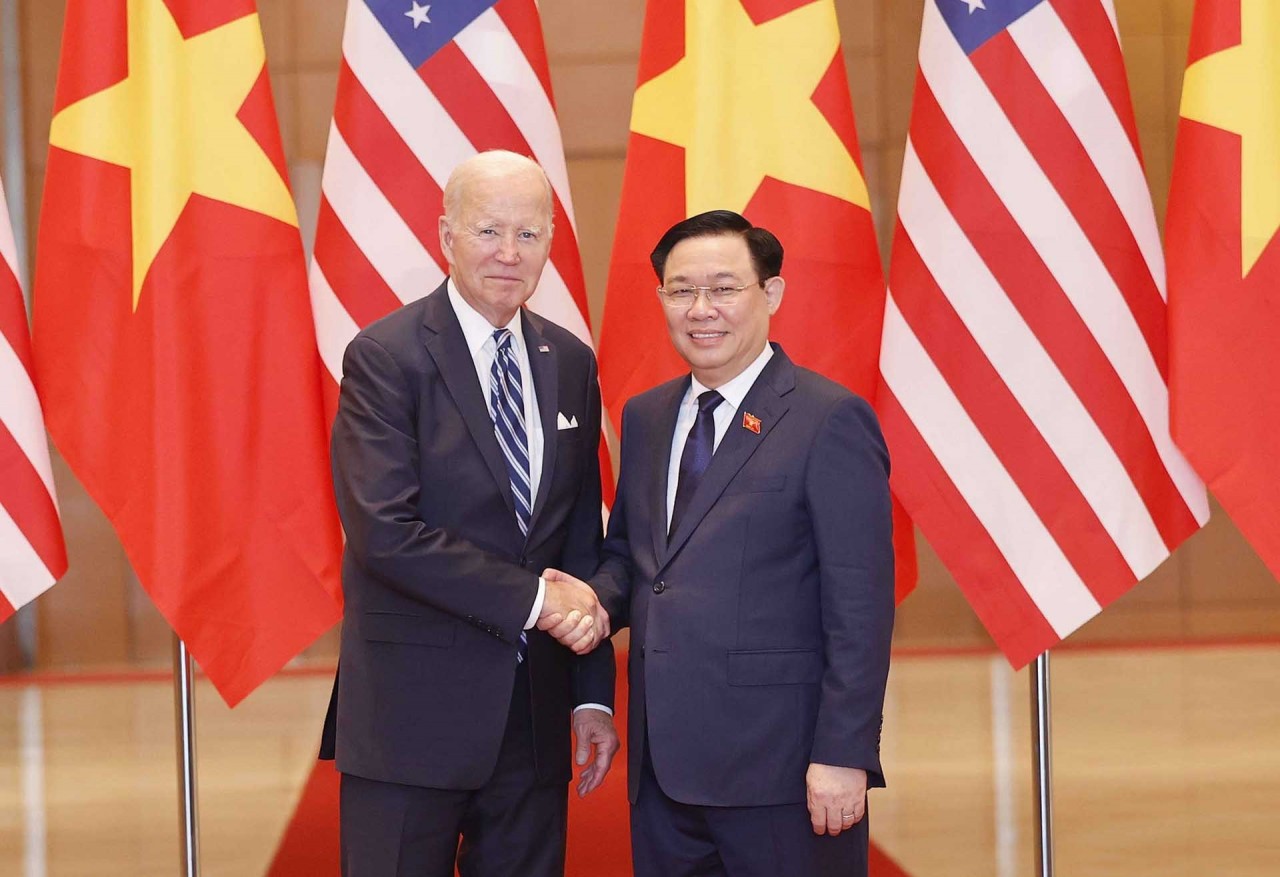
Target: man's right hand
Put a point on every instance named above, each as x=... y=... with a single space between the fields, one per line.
x=571 y=612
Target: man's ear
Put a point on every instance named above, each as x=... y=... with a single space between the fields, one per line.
x=774 y=287
x=446 y=239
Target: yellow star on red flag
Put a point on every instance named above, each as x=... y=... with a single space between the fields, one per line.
x=1224 y=265
x=192 y=413
x=173 y=122
x=759 y=81
x=1238 y=90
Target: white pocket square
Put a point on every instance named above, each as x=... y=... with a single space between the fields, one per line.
x=563 y=422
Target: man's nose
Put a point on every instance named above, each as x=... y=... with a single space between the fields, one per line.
x=702 y=309
x=508 y=250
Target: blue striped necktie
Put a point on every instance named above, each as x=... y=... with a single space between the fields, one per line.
x=506 y=404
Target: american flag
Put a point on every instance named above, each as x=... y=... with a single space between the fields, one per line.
x=1024 y=366
x=423 y=87
x=32 y=554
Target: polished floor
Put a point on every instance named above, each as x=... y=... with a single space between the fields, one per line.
x=1167 y=762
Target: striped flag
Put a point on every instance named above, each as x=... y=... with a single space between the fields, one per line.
x=32 y=554
x=1024 y=364
x=423 y=87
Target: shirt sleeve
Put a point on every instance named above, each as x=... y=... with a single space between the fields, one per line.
x=537 y=604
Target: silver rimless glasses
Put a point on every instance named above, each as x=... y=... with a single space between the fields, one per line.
x=684 y=295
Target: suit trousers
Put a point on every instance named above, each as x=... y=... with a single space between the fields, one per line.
x=671 y=839
x=510 y=826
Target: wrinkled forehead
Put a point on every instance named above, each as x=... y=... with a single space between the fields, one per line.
x=523 y=196
x=505 y=213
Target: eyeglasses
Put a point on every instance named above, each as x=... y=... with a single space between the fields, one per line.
x=683 y=296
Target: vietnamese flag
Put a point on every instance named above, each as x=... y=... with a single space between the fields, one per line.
x=744 y=105
x=1224 y=265
x=172 y=329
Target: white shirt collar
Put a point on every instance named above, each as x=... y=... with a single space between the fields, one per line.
x=475 y=328
x=735 y=390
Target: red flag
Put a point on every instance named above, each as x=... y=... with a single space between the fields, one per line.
x=1024 y=356
x=745 y=106
x=172 y=334
x=1224 y=265
x=417 y=96
x=32 y=554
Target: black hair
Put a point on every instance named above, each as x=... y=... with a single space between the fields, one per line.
x=765 y=249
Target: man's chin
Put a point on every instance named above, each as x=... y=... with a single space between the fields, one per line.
x=513 y=294
x=703 y=363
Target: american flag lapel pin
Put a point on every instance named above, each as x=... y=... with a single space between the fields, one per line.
x=751 y=422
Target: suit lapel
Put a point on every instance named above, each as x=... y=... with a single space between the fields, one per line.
x=766 y=401
x=659 y=456
x=544 y=363
x=448 y=347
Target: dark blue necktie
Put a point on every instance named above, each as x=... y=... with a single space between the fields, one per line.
x=698 y=448
x=506 y=404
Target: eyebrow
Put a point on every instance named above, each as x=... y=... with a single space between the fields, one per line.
x=720 y=275
x=484 y=223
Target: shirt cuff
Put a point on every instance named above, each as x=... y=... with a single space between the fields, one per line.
x=537 y=604
x=593 y=706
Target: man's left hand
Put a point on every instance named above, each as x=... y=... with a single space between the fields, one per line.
x=594 y=728
x=837 y=797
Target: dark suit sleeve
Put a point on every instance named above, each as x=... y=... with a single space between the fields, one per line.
x=593 y=676
x=847 y=488
x=612 y=581
x=377 y=483
x=581 y=553
x=593 y=673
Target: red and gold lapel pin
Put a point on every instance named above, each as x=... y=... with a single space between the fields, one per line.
x=751 y=422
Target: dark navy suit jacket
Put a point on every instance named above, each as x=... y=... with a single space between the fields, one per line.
x=760 y=630
x=438 y=579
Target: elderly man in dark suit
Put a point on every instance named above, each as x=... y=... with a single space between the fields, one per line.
x=464 y=459
x=750 y=552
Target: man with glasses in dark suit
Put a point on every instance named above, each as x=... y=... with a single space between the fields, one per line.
x=750 y=552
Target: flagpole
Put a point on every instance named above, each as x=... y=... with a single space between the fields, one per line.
x=185 y=726
x=1041 y=752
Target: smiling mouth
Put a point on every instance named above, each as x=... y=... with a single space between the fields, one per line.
x=706 y=335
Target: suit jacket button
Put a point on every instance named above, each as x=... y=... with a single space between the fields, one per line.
x=659 y=586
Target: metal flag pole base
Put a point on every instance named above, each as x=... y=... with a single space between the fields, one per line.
x=1041 y=719
x=185 y=726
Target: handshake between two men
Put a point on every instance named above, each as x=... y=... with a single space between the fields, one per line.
x=572 y=613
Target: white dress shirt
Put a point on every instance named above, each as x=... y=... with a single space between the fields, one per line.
x=478 y=332
x=733 y=391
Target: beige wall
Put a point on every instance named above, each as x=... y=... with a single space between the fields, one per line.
x=1213 y=586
